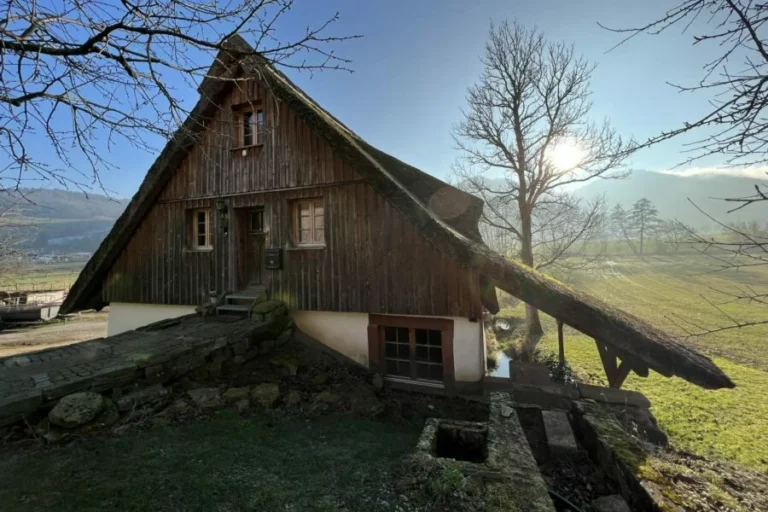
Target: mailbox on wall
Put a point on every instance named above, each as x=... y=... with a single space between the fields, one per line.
x=273 y=258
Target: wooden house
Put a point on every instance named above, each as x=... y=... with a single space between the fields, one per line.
x=263 y=189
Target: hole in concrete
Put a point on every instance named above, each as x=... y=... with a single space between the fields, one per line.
x=462 y=442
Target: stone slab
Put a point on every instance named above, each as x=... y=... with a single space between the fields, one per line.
x=545 y=397
x=529 y=373
x=613 y=396
x=559 y=433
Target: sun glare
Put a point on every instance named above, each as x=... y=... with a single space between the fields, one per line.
x=566 y=155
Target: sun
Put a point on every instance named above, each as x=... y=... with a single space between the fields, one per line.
x=566 y=155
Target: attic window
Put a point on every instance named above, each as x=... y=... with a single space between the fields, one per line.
x=250 y=126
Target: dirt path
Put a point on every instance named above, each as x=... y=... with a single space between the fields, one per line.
x=29 y=339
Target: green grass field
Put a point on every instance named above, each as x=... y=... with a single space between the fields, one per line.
x=54 y=276
x=729 y=424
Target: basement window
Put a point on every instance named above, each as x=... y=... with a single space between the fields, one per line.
x=202 y=239
x=414 y=349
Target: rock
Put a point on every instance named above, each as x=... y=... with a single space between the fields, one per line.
x=236 y=394
x=378 y=382
x=506 y=411
x=613 y=503
x=177 y=409
x=320 y=379
x=559 y=433
x=108 y=416
x=76 y=409
x=327 y=397
x=152 y=395
x=205 y=398
x=287 y=364
x=293 y=399
x=242 y=405
x=364 y=402
x=266 y=394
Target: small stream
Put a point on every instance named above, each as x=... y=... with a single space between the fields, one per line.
x=502 y=369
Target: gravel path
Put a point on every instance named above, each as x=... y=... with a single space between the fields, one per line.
x=20 y=340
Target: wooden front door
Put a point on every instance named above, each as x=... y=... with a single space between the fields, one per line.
x=252 y=248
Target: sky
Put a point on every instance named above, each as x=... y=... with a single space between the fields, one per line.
x=417 y=58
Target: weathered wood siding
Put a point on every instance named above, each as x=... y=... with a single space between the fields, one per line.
x=373 y=260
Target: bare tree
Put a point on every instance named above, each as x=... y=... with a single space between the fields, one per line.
x=83 y=76
x=527 y=122
x=735 y=79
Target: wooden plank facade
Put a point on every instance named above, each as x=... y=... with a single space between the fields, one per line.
x=373 y=259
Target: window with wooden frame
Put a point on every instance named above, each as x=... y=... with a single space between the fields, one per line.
x=308 y=222
x=412 y=349
x=202 y=236
x=249 y=122
x=256 y=220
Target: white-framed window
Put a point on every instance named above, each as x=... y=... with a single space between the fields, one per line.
x=308 y=222
x=202 y=236
x=251 y=127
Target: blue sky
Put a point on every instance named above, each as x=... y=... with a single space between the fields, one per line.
x=418 y=57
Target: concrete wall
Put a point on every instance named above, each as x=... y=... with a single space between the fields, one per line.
x=347 y=333
x=126 y=316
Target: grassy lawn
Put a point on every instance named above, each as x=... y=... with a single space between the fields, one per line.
x=263 y=463
x=728 y=424
x=54 y=276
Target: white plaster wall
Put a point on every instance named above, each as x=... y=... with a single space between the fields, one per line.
x=347 y=333
x=468 y=350
x=126 y=316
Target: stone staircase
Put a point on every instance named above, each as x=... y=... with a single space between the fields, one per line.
x=239 y=304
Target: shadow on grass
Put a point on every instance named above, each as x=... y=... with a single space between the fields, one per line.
x=269 y=462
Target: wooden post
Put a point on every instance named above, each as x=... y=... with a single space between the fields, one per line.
x=560 y=343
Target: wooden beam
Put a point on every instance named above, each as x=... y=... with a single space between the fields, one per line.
x=560 y=342
x=621 y=373
x=608 y=359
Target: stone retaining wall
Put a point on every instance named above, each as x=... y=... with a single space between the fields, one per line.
x=189 y=348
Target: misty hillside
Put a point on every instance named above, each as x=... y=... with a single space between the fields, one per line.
x=45 y=203
x=670 y=195
x=66 y=221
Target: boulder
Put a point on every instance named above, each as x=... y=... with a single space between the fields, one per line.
x=292 y=399
x=76 y=409
x=265 y=395
x=363 y=401
x=236 y=394
x=150 y=396
x=325 y=400
x=178 y=408
x=320 y=379
x=287 y=364
x=205 y=398
x=242 y=405
x=108 y=416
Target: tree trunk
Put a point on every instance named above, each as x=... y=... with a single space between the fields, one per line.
x=533 y=329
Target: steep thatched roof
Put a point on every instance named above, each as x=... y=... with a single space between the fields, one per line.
x=446 y=216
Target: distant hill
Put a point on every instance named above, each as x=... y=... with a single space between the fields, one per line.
x=670 y=193
x=67 y=221
x=47 y=203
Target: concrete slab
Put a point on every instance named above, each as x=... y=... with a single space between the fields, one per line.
x=559 y=433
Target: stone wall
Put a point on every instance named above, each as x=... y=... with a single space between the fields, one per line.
x=172 y=352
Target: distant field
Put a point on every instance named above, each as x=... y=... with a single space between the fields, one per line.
x=41 y=277
x=730 y=424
